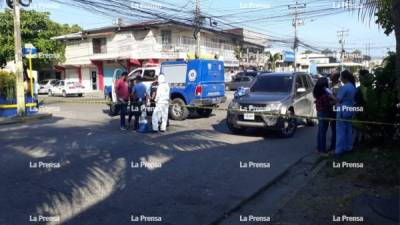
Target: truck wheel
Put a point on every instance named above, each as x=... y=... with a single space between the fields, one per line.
x=113 y=110
x=204 y=112
x=235 y=130
x=178 y=109
x=289 y=126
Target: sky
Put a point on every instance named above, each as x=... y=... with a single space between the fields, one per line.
x=320 y=32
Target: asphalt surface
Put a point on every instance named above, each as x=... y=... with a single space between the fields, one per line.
x=187 y=176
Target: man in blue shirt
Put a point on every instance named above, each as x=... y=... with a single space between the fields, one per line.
x=139 y=96
x=344 y=111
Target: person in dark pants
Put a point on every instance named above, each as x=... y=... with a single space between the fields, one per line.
x=324 y=106
x=335 y=86
x=138 y=97
x=122 y=91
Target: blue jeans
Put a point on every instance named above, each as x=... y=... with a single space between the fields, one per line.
x=344 y=137
x=323 y=125
x=122 y=113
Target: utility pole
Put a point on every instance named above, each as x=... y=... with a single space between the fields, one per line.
x=296 y=22
x=19 y=81
x=342 y=34
x=197 y=29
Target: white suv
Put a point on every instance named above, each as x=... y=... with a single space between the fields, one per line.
x=67 y=88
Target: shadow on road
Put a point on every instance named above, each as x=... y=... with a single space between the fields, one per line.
x=185 y=177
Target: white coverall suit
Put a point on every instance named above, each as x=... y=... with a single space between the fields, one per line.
x=160 y=113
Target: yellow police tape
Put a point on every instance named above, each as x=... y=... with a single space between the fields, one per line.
x=285 y=116
x=14 y=106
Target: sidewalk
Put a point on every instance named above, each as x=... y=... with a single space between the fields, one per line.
x=25 y=119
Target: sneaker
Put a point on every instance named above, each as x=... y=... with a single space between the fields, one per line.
x=123 y=128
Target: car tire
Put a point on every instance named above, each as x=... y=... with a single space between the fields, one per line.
x=113 y=110
x=49 y=93
x=310 y=122
x=289 y=126
x=235 y=130
x=178 y=110
x=80 y=95
x=204 y=112
x=64 y=94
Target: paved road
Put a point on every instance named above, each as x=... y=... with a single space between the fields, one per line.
x=190 y=175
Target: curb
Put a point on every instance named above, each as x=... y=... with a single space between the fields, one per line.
x=25 y=119
x=262 y=189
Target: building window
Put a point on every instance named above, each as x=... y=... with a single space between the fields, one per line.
x=99 y=45
x=166 y=37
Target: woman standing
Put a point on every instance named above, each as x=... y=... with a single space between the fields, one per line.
x=324 y=106
x=344 y=113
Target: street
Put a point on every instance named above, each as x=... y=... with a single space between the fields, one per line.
x=80 y=168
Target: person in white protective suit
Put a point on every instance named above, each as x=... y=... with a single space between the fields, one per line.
x=160 y=113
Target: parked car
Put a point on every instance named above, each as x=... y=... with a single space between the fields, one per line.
x=248 y=73
x=242 y=81
x=66 y=88
x=271 y=98
x=46 y=85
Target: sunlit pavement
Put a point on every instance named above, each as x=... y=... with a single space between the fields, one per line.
x=90 y=172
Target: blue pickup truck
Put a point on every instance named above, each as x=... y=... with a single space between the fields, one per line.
x=194 y=83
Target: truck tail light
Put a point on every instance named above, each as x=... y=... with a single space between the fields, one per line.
x=199 y=90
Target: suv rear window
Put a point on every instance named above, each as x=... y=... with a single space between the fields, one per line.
x=273 y=84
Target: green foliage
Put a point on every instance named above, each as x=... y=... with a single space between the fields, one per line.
x=7 y=85
x=380 y=99
x=384 y=16
x=36 y=28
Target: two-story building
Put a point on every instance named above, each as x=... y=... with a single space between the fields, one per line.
x=92 y=55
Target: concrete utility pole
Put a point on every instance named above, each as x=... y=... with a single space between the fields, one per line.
x=342 y=34
x=19 y=81
x=296 y=22
x=197 y=31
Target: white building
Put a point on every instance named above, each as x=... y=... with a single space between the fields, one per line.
x=93 y=55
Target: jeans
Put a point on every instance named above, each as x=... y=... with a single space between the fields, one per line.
x=323 y=125
x=135 y=110
x=122 y=113
x=332 y=124
x=344 y=137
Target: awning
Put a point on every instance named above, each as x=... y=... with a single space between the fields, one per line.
x=135 y=62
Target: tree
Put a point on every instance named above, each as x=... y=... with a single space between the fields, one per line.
x=38 y=29
x=326 y=51
x=308 y=52
x=387 y=13
x=273 y=59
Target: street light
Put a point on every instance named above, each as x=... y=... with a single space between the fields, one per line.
x=24 y=3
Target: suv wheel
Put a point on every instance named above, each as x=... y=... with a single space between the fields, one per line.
x=178 y=110
x=235 y=130
x=204 y=112
x=289 y=126
x=113 y=110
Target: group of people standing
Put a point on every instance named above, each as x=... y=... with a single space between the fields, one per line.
x=335 y=105
x=134 y=100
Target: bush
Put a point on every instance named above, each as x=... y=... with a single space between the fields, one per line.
x=7 y=85
x=379 y=95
